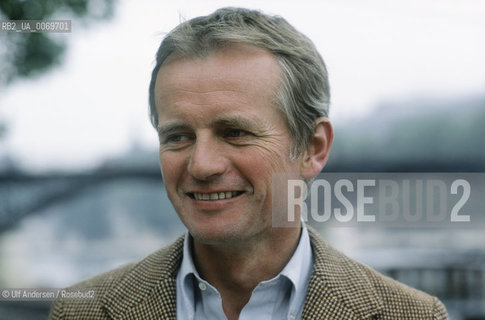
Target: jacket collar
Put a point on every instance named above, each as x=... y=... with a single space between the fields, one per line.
x=338 y=286
x=147 y=291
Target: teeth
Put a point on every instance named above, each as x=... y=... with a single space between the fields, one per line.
x=215 y=195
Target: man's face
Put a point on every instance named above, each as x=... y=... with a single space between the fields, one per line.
x=221 y=140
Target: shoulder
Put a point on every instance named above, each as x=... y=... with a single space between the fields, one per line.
x=400 y=299
x=367 y=291
x=128 y=282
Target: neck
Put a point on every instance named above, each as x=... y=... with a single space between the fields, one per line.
x=236 y=269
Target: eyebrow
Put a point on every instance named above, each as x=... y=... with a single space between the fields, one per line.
x=255 y=126
x=163 y=130
x=242 y=123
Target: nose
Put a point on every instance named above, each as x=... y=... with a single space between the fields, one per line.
x=206 y=160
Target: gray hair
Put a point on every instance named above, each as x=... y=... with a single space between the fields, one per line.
x=304 y=93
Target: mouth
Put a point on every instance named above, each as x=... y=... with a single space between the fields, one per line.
x=214 y=195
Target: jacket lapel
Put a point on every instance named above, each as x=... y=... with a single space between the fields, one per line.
x=338 y=288
x=159 y=304
x=147 y=291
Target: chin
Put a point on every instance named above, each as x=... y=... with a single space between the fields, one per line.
x=223 y=236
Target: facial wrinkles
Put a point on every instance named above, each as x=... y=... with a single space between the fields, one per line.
x=180 y=97
x=264 y=136
x=266 y=147
x=200 y=108
x=206 y=73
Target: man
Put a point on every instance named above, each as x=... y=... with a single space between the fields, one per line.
x=238 y=97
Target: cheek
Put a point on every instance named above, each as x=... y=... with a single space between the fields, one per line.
x=171 y=168
x=260 y=165
x=274 y=159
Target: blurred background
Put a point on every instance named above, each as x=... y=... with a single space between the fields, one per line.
x=80 y=186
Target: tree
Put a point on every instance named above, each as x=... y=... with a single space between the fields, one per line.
x=26 y=55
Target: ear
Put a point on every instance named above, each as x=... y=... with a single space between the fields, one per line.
x=316 y=154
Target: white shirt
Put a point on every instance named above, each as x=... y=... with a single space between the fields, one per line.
x=281 y=297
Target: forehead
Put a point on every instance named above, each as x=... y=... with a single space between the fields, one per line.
x=238 y=70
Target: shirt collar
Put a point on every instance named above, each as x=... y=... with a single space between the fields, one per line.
x=297 y=271
x=299 y=268
x=294 y=269
x=187 y=267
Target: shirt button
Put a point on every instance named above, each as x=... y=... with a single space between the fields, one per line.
x=202 y=286
x=291 y=317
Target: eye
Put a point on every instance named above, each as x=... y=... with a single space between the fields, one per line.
x=235 y=133
x=174 y=138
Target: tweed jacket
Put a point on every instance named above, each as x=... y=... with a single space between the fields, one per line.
x=339 y=288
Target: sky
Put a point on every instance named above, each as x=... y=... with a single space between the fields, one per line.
x=95 y=105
